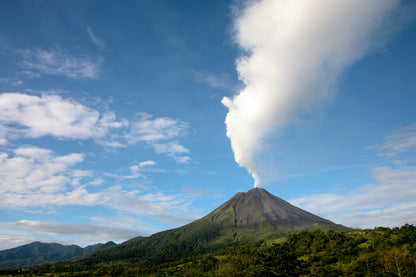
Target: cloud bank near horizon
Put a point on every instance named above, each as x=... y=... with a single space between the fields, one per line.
x=296 y=54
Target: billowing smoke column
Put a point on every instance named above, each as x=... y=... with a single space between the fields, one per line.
x=297 y=50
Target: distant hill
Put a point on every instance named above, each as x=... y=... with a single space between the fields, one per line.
x=37 y=253
x=246 y=217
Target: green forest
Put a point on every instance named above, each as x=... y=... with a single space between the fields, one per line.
x=377 y=252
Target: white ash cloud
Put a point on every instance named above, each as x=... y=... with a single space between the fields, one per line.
x=296 y=53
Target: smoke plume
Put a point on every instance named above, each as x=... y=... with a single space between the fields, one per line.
x=296 y=52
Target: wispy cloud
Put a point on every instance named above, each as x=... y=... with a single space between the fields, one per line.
x=389 y=201
x=38 y=62
x=402 y=141
x=100 y=43
x=393 y=193
x=219 y=81
x=136 y=170
x=172 y=149
x=161 y=134
x=149 y=129
x=73 y=229
x=61 y=230
x=173 y=208
x=10 y=81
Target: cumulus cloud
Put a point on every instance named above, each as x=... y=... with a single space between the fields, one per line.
x=36 y=177
x=48 y=114
x=296 y=53
x=35 y=169
x=38 y=62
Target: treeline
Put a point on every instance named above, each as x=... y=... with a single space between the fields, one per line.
x=377 y=252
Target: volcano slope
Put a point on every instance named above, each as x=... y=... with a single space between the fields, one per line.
x=246 y=217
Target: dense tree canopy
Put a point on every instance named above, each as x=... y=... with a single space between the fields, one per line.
x=377 y=252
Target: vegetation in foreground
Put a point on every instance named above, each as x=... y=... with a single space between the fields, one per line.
x=378 y=252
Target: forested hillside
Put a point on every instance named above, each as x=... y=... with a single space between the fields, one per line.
x=378 y=252
x=37 y=253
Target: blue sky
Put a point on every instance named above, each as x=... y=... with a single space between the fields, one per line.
x=120 y=119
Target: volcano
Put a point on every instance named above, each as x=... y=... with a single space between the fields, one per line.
x=246 y=217
x=258 y=206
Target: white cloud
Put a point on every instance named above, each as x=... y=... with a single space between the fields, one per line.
x=13 y=82
x=173 y=208
x=174 y=150
x=160 y=134
x=147 y=163
x=95 y=39
x=296 y=52
x=96 y=182
x=136 y=170
x=32 y=177
x=400 y=142
x=59 y=231
x=35 y=177
x=388 y=202
x=151 y=130
x=48 y=114
x=125 y=222
x=182 y=159
x=38 y=62
x=11 y=240
x=220 y=81
x=170 y=148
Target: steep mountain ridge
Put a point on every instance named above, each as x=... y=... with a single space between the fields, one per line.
x=274 y=209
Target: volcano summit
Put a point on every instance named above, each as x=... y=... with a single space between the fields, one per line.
x=246 y=217
x=258 y=206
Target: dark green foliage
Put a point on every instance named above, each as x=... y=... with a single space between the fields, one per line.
x=247 y=217
x=378 y=252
